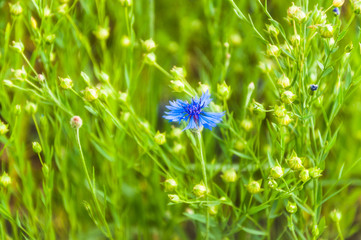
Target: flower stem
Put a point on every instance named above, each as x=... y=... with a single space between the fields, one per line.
x=203 y=163
x=92 y=187
x=339 y=230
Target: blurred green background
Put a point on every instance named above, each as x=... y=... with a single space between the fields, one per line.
x=122 y=154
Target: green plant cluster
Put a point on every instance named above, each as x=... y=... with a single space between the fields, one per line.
x=86 y=154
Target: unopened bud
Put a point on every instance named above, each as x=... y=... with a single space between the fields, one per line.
x=37 y=147
x=356 y=6
x=149 y=45
x=160 y=138
x=170 y=185
x=224 y=91
x=177 y=85
x=203 y=87
x=315 y=172
x=31 y=108
x=285 y=120
x=276 y=172
x=300 y=16
x=288 y=97
x=176 y=132
x=315 y=231
x=178 y=72
x=4 y=128
x=90 y=94
x=47 y=12
x=272 y=30
x=102 y=33
x=247 y=124
x=292 y=11
x=177 y=148
x=126 y=3
x=272 y=184
x=326 y=31
x=213 y=210
x=150 y=58
x=63 y=8
x=15 y=9
x=291 y=207
x=336 y=11
x=336 y=215
x=338 y=3
x=76 y=122
x=304 y=175
x=254 y=187
x=235 y=39
x=174 y=198
x=240 y=145
x=50 y=38
x=5 y=180
x=200 y=190
x=123 y=96
x=20 y=73
x=18 y=46
x=251 y=87
x=34 y=23
x=229 y=175
x=125 y=41
x=259 y=110
x=66 y=83
x=273 y=50
x=17 y=109
x=296 y=40
x=280 y=111
x=266 y=65
x=8 y=83
x=319 y=17
x=283 y=81
x=41 y=78
x=294 y=162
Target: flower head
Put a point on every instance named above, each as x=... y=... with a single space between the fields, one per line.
x=336 y=11
x=313 y=87
x=193 y=113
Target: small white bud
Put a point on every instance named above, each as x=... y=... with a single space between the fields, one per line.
x=76 y=122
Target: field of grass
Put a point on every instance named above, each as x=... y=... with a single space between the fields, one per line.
x=87 y=151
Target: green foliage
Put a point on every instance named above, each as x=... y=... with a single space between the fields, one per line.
x=85 y=153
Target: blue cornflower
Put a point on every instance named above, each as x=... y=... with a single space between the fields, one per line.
x=193 y=113
x=313 y=87
x=336 y=11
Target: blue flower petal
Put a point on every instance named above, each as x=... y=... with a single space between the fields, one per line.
x=193 y=112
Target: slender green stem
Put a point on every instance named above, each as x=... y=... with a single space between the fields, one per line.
x=292 y=228
x=27 y=61
x=92 y=187
x=204 y=170
x=339 y=230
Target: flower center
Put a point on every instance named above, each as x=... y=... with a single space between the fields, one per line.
x=193 y=110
